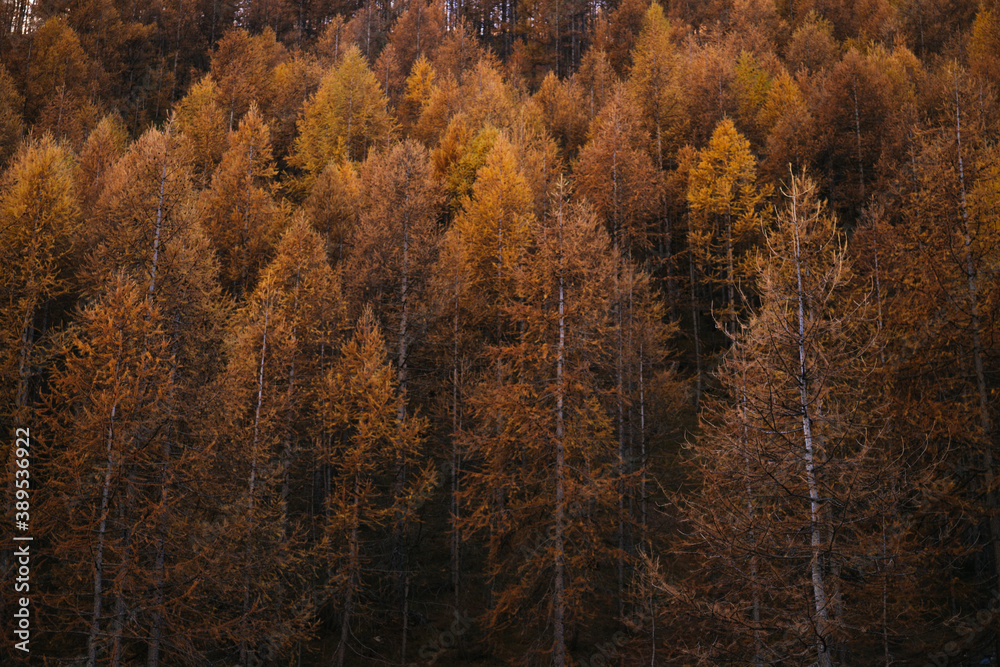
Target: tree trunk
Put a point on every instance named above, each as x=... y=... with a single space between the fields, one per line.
x=455 y=456
x=352 y=563
x=697 y=337
x=857 y=134
x=559 y=595
x=95 y=621
x=815 y=504
x=244 y=648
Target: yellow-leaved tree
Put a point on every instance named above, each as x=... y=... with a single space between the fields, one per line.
x=725 y=203
x=347 y=116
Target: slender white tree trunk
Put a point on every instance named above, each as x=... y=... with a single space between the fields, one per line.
x=254 y=445
x=95 y=619
x=815 y=503
x=559 y=595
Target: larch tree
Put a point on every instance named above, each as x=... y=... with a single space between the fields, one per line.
x=490 y=236
x=106 y=143
x=387 y=268
x=562 y=111
x=58 y=70
x=11 y=109
x=201 y=123
x=651 y=84
x=725 y=203
x=951 y=243
x=108 y=411
x=39 y=218
x=359 y=403
x=495 y=229
x=596 y=79
x=281 y=342
x=856 y=132
x=145 y=232
x=545 y=439
x=653 y=90
x=332 y=206
x=241 y=65
x=417 y=91
x=347 y=116
x=616 y=175
x=418 y=31
x=789 y=126
x=139 y=212
x=292 y=82
x=238 y=212
x=789 y=453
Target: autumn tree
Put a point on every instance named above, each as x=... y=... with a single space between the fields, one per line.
x=417 y=91
x=615 y=174
x=387 y=268
x=651 y=84
x=360 y=402
x=145 y=234
x=106 y=143
x=563 y=112
x=39 y=219
x=949 y=248
x=58 y=69
x=332 y=206
x=725 y=203
x=418 y=31
x=10 y=116
x=494 y=226
x=394 y=244
x=241 y=67
x=292 y=82
x=281 y=344
x=653 y=89
x=788 y=455
x=39 y=216
x=860 y=136
x=108 y=406
x=543 y=433
x=201 y=123
x=239 y=213
x=347 y=116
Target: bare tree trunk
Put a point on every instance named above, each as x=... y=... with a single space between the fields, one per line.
x=455 y=456
x=95 y=620
x=244 y=648
x=730 y=278
x=815 y=504
x=156 y=632
x=642 y=444
x=757 y=641
x=697 y=337
x=857 y=134
x=286 y=454
x=559 y=595
x=118 y=626
x=352 y=563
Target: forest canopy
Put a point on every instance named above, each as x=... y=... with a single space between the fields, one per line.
x=551 y=332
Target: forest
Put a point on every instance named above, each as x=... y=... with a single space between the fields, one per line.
x=499 y=332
